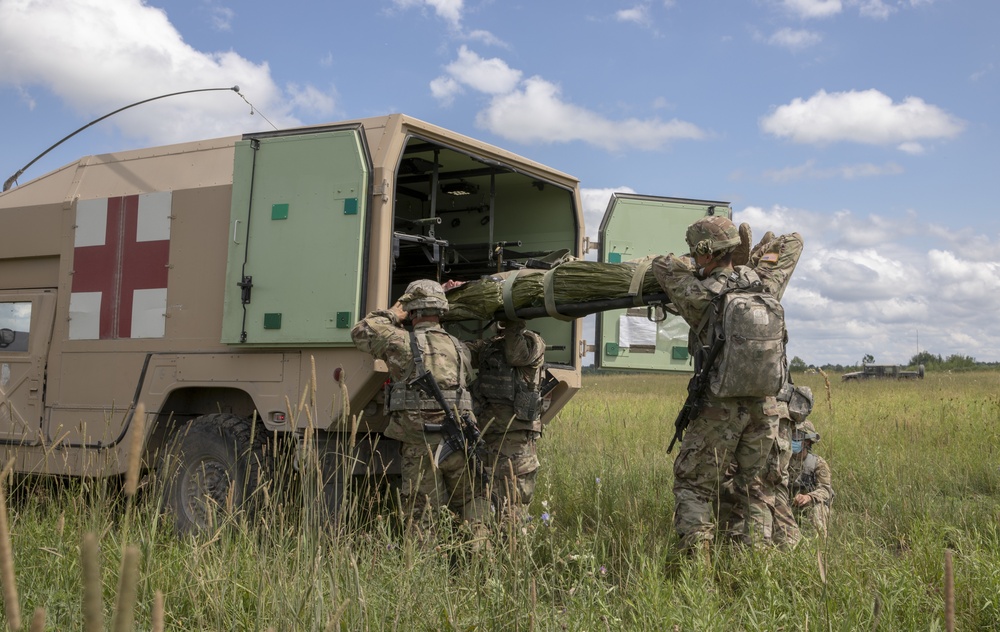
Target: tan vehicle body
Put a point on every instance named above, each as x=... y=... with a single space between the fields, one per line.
x=67 y=399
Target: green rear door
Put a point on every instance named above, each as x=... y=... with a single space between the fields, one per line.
x=296 y=243
x=635 y=226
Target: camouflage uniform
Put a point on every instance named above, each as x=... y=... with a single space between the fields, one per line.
x=774 y=260
x=779 y=526
x=810 y=475
x=425 y=485
x=725 y=430
x=784 y=529
x=507 y=400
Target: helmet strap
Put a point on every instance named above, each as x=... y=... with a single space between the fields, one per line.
x=425 y=318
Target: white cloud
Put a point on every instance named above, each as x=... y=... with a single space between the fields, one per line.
x=809 y=170
x=638 y=14
x=221 y=17
x=972 y=241
x=873 y=285
x=808 y=9
x=492 y=76
x=911 y=147
x=868 y=117
x=794 y=39
x=445 y=89
x=595 y=203
x=979 y=74
x=875 y=9
x=124 y=51
x=479 y=35
x=310 y=99
x=448 y=10
x=537 y=113
x=533 y=110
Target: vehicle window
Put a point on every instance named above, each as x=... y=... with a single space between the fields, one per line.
x=15 y=318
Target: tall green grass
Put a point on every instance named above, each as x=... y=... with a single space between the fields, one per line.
x=915 y=469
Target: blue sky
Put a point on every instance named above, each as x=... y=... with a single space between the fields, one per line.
x=870 y=126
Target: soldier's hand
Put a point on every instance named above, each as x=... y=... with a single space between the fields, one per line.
x=801 y=500
x=398 y=311
x=741 y=255
x=451 y=284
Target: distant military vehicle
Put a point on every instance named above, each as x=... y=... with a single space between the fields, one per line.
x=216 y=282
x=883 y=371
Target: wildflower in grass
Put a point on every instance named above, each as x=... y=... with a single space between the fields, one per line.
x=546 y=517
x=604 y=569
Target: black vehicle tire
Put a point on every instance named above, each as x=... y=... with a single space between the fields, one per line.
x=213 y=464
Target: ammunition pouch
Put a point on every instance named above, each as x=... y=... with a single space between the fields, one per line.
x=497 y=385
x=400 y=397
x=528 y=405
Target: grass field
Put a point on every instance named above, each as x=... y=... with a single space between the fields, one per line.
x=916 y=469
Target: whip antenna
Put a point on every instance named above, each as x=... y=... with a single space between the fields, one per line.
x=10 y=181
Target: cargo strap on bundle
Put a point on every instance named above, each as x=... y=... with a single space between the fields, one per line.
x=638 y=276
x=508 y=295
x=548 y=286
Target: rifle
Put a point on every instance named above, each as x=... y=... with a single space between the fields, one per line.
x=697 y=386
x=460 y=433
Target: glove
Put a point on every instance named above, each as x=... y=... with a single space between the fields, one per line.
x=741 y=254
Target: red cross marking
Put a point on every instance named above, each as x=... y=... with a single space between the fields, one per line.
x=119 y=266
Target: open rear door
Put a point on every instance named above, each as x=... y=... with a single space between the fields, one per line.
x=635 y=226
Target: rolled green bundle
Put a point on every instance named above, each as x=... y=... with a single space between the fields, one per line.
x=476 y=300
x=479 y=300
x=572 y=282
x=580 y=281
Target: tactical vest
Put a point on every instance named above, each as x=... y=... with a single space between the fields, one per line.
x=750 y=324
x=500 y=382
x=400 y=396
x=806 y=481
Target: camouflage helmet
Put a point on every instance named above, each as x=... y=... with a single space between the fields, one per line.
x=424 y=294
x=712 y=234
x=800 y=403
x=806 y=431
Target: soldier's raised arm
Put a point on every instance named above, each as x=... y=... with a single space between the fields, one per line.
x=774 y=260
x=381 y=333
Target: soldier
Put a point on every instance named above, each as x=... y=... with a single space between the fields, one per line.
x=812 y=485
x=725 y=429
x=425 y=486
x=508 y=405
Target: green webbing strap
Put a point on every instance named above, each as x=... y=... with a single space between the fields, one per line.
x=508 y=295
x=548 y=285
x=638 y=276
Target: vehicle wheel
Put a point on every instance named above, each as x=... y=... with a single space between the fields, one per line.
x=212 y=466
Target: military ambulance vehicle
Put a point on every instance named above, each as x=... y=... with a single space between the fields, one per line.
x=216 y=283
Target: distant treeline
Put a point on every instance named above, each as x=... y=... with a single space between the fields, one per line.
x=931 y=362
